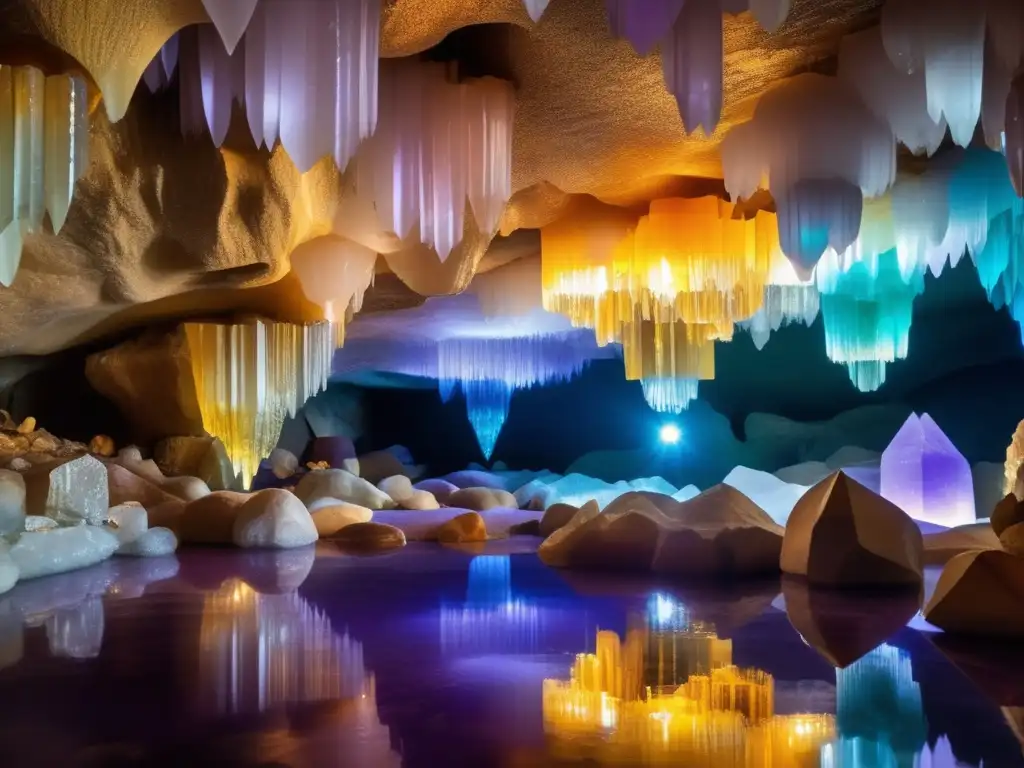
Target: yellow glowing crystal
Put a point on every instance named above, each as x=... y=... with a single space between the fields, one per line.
x=250 y=376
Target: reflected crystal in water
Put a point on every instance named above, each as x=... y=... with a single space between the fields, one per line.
x=77 y=632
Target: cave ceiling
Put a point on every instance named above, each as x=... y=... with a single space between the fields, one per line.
x=163 y=226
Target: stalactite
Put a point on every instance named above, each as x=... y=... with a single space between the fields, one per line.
x=1014 y=132
x=335 y=274
x=536 y=8
x=691 y=58
x=439 y=144
x=250 y=376
x=230 y=17
x=44 y=146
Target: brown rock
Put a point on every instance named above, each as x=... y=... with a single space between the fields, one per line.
x=102 y=445
x=123 y=485
x=150 y=380
x=1009 y=511
x=556 y=516
x=482 y=499
x=1012 y=539
x=940 y=548
x=841 y=534
x=167 y=515
x=378 y=465
x=980 y=593
x=42 y=441
x=529 y=528
x=211 y=519
x=368 y=537
x=201 y=457
x=463 y=529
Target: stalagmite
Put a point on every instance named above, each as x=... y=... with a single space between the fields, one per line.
x=230 y=17
x=250 y=376
x=691 y=59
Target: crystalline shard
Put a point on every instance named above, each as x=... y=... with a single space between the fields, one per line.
x=536 y=8
x=219 y=74
x=691 y=59
x=231 y=18
x=926 y=476
x=644 y=24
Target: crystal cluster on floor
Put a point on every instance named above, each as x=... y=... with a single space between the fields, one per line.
x=924 y=474
x=250 y=376
x=44 y=150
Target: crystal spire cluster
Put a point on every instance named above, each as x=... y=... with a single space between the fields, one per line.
x=926 y=476
x=249 y=377
x=44 y=150
x=439 y=144
x=690 y=38
x=305 y=72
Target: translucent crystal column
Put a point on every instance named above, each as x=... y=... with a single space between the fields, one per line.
x=230 y=17
x=691 y=59
x=44 y=143
x=249 y=377
x=926 y=476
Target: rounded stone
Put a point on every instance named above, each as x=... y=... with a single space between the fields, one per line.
x=369 y=537
x=467 y=527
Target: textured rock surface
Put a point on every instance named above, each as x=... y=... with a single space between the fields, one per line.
x=62 y=549
x=202 y=457
x=369 y=537
x=12 y=502
x=482 y=499
x=940 y=547
x=980 y=593
x=273 y=519
x=841 y=534
x=342 y=485
x=155 y=542
x=330 y=515
x=556 y=516
x=71 y=490
x=1008 y=512
x=463 y=529
x=211 y=519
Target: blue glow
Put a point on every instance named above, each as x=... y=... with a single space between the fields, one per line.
x=487 y=404
x=663 y=612
x=669 y=434
x=490 y=580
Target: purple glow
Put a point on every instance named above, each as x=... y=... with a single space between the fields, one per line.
x=926 y=476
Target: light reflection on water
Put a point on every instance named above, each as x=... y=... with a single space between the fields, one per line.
x=454 y=660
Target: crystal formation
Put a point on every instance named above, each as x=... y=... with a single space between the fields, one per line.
x=250 y=376
x=44 y=145
x=926 y=476
x=335 y=274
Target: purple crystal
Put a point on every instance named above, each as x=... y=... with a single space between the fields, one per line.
x=643 y=22
x=926 y=476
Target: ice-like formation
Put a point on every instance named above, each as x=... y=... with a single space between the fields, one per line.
x=948 y=43
x=669 y=395
x=820 y=150
x=536 y=8
x=335 y=274
x=44 y=145
x=879 y=710
x=231 y=17
x=305 y=70
x=439 y=143
x=259 y=652
x=250 y=376
x=787 y=300
x=867 y=317
x=690 y=34
x=896 y=96
x=926 y=476
x=774 y=496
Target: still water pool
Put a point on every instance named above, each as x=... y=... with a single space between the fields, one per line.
x=443 y=657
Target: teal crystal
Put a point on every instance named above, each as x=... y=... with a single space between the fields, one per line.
x=867 y=311
x=487 y=404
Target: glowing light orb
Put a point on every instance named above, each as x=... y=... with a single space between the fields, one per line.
x=669 y=434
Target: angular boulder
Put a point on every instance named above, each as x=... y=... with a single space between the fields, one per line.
x=273 y=519
x=463 y=529
x=369 y=537
x=980 y=593
x=68 y=491
x=622 y=538
x=481 y=499
x=12 y=502
x=341 y=485
x=556 y=516
x=331 y=515
x=941 y=547
x=1008 y=512
x=841 y=534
